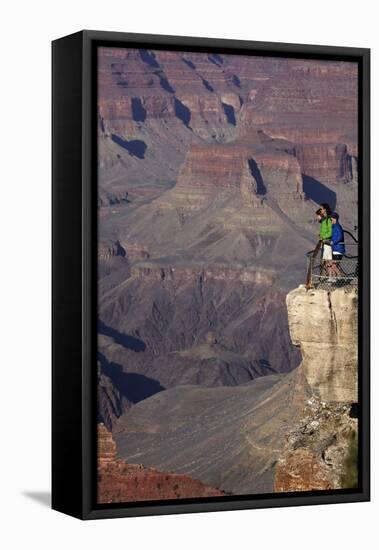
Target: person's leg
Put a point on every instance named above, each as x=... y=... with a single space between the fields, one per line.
x=328 y=258
x=337 y=262
x=333 y=269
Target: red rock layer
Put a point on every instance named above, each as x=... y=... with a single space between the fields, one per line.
x=175 y=100
x=326 y=162
x=227 y=166
x=302 y=471
x=122 y=482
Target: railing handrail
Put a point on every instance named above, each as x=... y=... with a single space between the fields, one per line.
x=351 y=235
x=319 y=271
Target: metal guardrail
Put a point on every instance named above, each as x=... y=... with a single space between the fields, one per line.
x=331 y=274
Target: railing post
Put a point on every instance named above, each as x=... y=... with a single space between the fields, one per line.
x=311 y=256
x=308 y=282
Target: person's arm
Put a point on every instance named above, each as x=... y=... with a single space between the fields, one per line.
x=338 y=235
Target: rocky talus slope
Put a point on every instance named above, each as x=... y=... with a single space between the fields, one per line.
x=321 y=450
x=122 y=482
x=228 y=436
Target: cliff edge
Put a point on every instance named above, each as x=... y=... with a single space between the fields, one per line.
x=324 y=324
x=322 y=447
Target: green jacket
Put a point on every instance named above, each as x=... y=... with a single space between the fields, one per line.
x=326 y=229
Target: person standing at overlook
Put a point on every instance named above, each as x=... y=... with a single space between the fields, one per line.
x=324 y=215
x=338 y=245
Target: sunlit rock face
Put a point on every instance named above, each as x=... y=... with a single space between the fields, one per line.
x=325 y=326
x=321 y=450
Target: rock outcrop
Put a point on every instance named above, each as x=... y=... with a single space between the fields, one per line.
x=122 y=482
x=324 y=324
x=322 y=450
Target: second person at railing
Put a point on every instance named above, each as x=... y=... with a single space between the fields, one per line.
x=323 y=214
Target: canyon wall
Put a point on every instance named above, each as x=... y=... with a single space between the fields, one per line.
x=211 y=168
x=154 y=106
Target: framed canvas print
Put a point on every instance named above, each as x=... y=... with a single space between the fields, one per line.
x=210 y=274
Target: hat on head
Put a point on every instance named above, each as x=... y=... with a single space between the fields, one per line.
x=335 y=216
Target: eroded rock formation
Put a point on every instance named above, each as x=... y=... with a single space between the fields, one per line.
x=322 y=446
x=325 y=326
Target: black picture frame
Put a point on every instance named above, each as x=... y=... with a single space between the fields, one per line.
x=74 y=296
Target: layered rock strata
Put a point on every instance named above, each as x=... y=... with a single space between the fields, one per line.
x=154 y=106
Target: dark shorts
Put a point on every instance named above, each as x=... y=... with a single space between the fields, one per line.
x=337 y=256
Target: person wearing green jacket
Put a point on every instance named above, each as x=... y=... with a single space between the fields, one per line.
x=326 y=229
x=324 y=214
